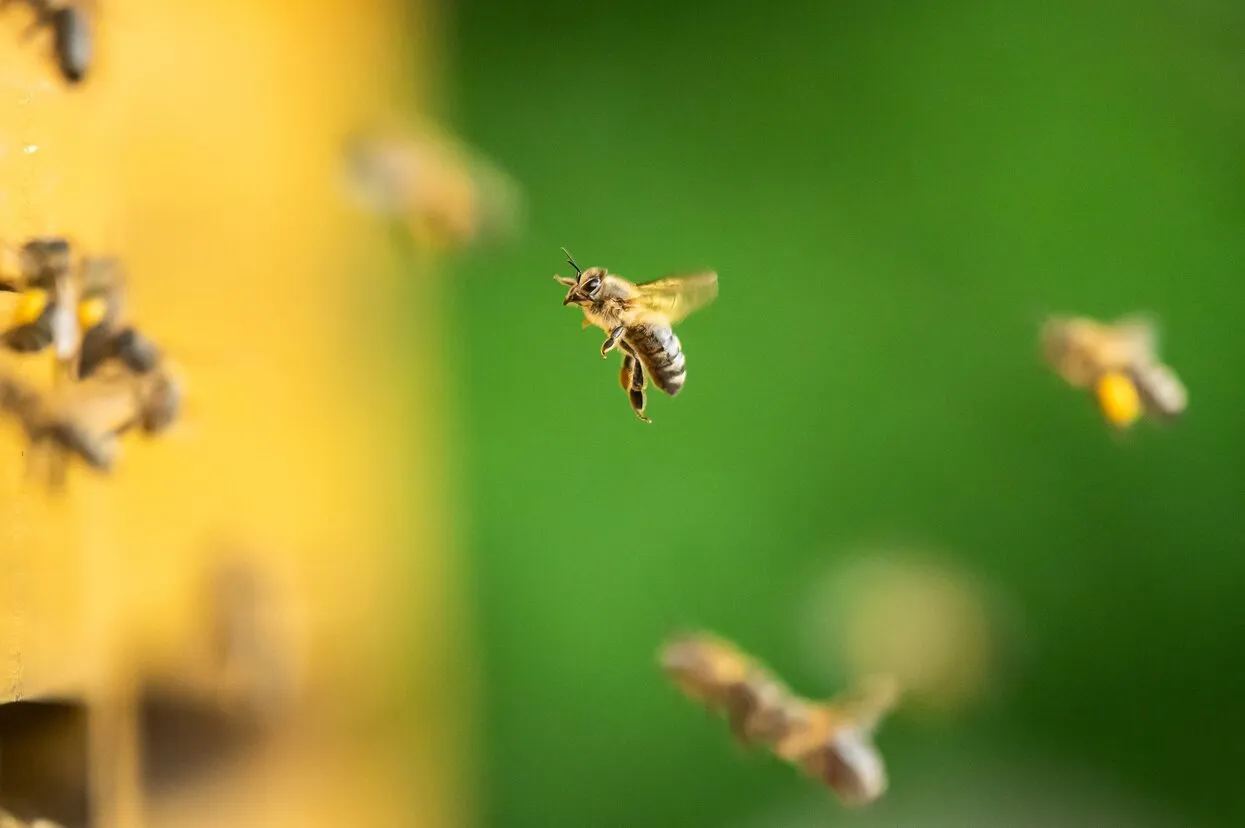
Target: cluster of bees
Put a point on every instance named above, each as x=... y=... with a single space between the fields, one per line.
x=70 y=28
x=442 y=199
x=832 y=741
x=110 y=377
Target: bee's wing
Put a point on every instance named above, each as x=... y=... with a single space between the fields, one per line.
x=869 y=701
x=1140 y=331
x=674 y=298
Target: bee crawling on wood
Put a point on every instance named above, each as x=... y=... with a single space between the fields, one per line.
x=71 y=32
x=1119 y=361
x=47 y=297
x=51 y=424
x=639 y=319
x=111 y=378
x=830 y=741
x=86 y=419
x=102 y=318
x=81 y=310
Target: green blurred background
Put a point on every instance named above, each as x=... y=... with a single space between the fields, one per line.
x=894 y=195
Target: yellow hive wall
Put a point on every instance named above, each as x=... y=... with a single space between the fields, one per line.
x=203 y=150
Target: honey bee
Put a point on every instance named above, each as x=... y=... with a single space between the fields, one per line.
x=71 y=31
x=43 y=315
x=446 y=196
x=639 y=319
x=1119 y=362
x=101 y=317
x=51 y=426
x=87 y=419
x=81 y=312
x=830 y=741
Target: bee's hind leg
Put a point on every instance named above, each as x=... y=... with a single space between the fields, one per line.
x=611 y=341
x=631 y=377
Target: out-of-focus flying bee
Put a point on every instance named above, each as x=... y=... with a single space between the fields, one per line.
x=830 y=741
x=639 y=319
x=71 y=31
x=1119 y=362
x=445 y=195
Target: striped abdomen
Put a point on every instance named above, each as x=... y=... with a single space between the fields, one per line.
x=662 y=354
x=73 y=42
x=1161 y=391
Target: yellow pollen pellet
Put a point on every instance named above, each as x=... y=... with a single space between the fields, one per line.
x=91 y=312
x=1118 y=399
x=30 y=306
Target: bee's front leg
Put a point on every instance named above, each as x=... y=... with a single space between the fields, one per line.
x=611 y=341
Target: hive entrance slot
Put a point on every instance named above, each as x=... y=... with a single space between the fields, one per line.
x=44 y=761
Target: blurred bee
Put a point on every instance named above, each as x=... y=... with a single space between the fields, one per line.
x=71 y=32
x=102 y=319
x=47 y=296
x=720 y=676
x=830 y=741
x=60 y=428
x=639 y=318
x=1119 y=361
x=444 y=195
x=82 y=312
x=252 y=656
x=86 y=419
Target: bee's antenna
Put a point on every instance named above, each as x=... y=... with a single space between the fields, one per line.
x=571 y=261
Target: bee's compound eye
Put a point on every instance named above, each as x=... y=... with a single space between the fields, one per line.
x=592 y=285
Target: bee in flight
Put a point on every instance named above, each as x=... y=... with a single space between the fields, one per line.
x=445 y=194
x=1119 y=361
x=831 y=741
x=640 y=319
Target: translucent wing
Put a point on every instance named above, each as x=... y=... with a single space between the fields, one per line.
x=1140 y=332
x=869 y=701
x=676 y=297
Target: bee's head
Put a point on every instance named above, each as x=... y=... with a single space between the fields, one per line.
x=1055 y=337
x=43 y=258
x=586 y=287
